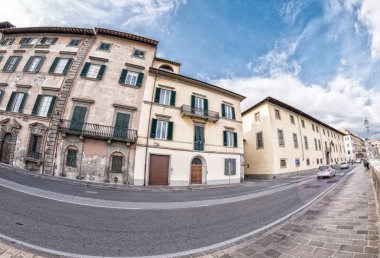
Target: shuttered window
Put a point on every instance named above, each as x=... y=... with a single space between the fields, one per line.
x=104 y=46
x=230 y=167
x=131 y=78
x=34 y=64
x=44 y=106
x=281 y=141
x=229 y=139
x=199 y=137
x=11 y=63
x=16 y=102
x=259 y=140
x=74 y=42
x=60 y=65
x=228 y=111
x=34 y=150
x=93 y=71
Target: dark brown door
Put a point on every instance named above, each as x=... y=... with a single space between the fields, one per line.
x=6 y=148
x=196 y=171
x=159 y=170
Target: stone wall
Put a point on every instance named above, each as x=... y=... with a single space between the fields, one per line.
x=375 y=170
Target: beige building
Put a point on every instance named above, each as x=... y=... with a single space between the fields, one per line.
x=376 y=148
x=354 y=146
x=280 y=139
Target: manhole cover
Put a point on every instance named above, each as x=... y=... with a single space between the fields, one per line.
x=332 y=181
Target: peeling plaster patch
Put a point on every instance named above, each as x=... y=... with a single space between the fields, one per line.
x=16 y=77
x=39 y=79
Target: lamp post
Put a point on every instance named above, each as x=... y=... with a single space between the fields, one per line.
x=366 y=124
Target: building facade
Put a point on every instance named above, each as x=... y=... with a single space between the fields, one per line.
x=354 y=146
x=281 y=140
x=98 y=105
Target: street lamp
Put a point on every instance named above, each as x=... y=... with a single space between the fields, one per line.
x=366 y=124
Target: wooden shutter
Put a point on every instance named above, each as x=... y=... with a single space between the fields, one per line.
x=235 y=139
x=53 y=41
x=5 y=68
x=153 y=128
x=170 y=131
x=225 y=167
x=101 y=72
x=192 y=101
x=233 y=113
x=205 y=104
x=157 y=95
x=54 y=65
x=37 y=105
x=172 y=98
x=1 y=95
x=50 y=111
x=223 y=110
x=43 y=40
x=122 y=120
x=85 y=69
x=17 y=62
x=23 y=102
x=140 y=79
x=40 y=64
x=67 y=66
x=10 y=102
x=30 y=60
x=224 y=138
x=79 y=114
x=123 y=75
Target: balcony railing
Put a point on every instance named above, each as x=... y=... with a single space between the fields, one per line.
x=98 y=131
x=200 y=113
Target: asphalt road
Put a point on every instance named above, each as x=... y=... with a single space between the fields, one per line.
x=112 y=232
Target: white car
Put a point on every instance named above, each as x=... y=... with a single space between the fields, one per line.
x=358 y=161
x=326 y=171
x=344 y=165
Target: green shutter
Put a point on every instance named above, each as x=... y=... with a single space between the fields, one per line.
x=172 y=98
x=1 y=58
x=157 y=95
x=225 y=166
x=54 y=65
x=223 y=110
x=1 y=95
x=140 y=79
x=122 y=76
x=170 y=131
x=153 y=128
x=85 y=69
x=67 y=66
x=37 y=105
x=23 y=102
x=205 y=104
x=224 y=138
x=235 y=139
x=43 y=40
x=17 y=62
x=121 y=125
x=54 y=40
x=40 y=63
x=233 y=113
x=30 y=60
x=5 y=68
x=101 y=72
x=192 y=101
x=50 y=111
x=10 y=102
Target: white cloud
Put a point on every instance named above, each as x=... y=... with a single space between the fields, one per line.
x=342 y=103
x=132 y=14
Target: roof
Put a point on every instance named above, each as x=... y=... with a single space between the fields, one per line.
x=126 y=35
x=59 y=30
x=288 y=107
x=6 y=24
x=182 y=78
x=167 y=61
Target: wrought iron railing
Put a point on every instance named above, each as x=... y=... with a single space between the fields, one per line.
x=199 y=112
x=98 y=131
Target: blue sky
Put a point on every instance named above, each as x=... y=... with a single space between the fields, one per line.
x=321 y=56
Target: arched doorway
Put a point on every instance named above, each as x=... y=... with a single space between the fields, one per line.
x=6 y=147
x=196 y=171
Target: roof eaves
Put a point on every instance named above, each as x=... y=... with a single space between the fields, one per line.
x=125 y=35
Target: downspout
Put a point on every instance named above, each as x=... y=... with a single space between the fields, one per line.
x=126 y=178
x=299 y=128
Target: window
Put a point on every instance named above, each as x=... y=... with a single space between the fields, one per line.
x=60 y=65
x=11 y=63
x=166 y=68
x=303 y=123
x=47 y=41
x=259 y=140
x=315 y=143
x=138 y=53
x=1 y=94
x=348 y=152
x=199 y=137
x=319 y=144
x=131 y=78
x=230 y=139
x=117 y=163
x=283 y=163
x=7 y=42
x=26 y=41
x=295 y=140
x=161 y=129
x=16 y=102
x=229 y=167
x=280 y=134
x=71 y=158
x=34 y=64
x=324 y=133
x=93 y=71
x=292 y=119
x=74 y=42
x=297 y=161
x=312 y=126
x=165 y=97
x=277 y=114
x=316 y=128
x=104 y=46
x=34 y=150
x=317 y=161
x=257 y=117
x=307 y=162
x=44 y=105
x=306 y=143
x=321 y=161
x=228 y=111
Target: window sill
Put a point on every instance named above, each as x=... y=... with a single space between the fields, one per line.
x=116 y=172
x=26 y=46
x=8 y=71
x=130 y=85
x=42 y=46
x=57 y=74
x=71 y=166
x=90 y=79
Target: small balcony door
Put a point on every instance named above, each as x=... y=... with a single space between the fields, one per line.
x=121 y=125
x=199 y=137
x=77 y=120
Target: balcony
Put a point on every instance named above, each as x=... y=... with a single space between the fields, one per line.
x=199 y=113
x=97 y=131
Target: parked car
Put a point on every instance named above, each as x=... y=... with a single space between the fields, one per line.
x=326 y=171
x=344 y=165
x=358 y=161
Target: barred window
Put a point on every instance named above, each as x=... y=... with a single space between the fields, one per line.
x=71 y=158
x=230 y=167
x=117 y=163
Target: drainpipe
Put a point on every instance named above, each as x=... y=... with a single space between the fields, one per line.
x=129 y=151
x=301 y=140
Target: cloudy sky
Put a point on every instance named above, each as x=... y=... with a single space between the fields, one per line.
x=321 y=56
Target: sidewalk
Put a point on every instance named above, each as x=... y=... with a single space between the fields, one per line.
x=344 y=223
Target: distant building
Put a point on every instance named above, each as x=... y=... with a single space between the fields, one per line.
x=282 y=140
x=354 y=146
x=376 y=148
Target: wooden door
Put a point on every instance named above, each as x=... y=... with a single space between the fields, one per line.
x=6 y=149
x=121 y=126
x=196 y=171
x=159 y=170
x=78 y=118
